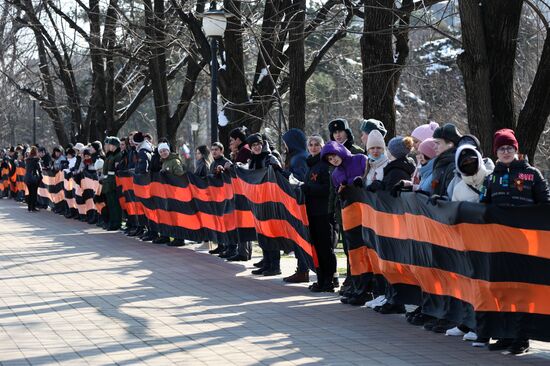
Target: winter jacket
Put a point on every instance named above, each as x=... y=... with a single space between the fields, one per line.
x=221 y=161
x=263 y=160
x=201 y=168
x=244 y=154
x=46 y=161
x=33 y=172
x=112 y=159
x=468 y=188
x=443 y=172
x=425 y=173
x=296 y=143
x=132 y=158
x=515 y=185
x=375 y=170
x=352 y=166
x=316 y=186
x=172 y=165
x=144 y=154
x=60 y=163
x=396 y=171
x=156 y=162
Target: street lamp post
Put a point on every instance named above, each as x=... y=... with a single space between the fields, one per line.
x=214 y=24
x=194 y=129
x=33 y=120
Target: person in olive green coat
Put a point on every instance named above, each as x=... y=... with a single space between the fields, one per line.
x=171 y=163
x=112 y=159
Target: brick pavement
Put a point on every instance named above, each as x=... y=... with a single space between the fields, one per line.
x=73 y=294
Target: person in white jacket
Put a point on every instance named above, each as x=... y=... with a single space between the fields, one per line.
x=376 y=150
x=473 y=171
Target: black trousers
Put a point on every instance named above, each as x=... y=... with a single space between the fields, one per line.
x=115 y=212
x=321 y=238
x=33 y=195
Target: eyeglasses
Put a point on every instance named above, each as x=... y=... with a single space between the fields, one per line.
x=506 y=149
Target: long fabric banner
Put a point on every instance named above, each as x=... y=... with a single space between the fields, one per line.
x=480 y=265
x=241 y=206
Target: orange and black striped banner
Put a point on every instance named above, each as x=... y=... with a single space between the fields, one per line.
x=236 y=206
x=480 y=265
x=50 y=190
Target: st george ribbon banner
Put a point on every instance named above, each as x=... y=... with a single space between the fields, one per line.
x=483 y=266
x=238 y=206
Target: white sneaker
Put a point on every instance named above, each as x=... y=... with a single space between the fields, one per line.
x=470 y=336
x=379 y=301
x=454 y=332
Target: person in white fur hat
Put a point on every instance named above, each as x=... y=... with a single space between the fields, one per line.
x=376 y=151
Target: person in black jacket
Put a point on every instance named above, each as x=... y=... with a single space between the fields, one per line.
x=513 y=183
x=144 y=152
x=446 y=139
x=219 y=160
x=401 y=167
x=203 y=159
x=262 y=158
x=33 y=176
x=316 y=189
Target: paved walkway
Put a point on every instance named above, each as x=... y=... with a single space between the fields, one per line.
x=72 y=294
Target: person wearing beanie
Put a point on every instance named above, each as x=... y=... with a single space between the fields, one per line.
x=423 y=132
x=262 y=158
x=400 y=166
x=513 y=183
x=425 y=157
x=340 y=132
x=58 y=158
x=112 y=159
x=369 y=125
x=378 y=159
x=471 y=168
x=446 y=139
x=45 y=158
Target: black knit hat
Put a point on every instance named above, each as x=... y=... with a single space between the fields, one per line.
x=70 y=151
x=468 y=162
x=58 y=149
x=86 y=152
x=254 y=138
x=238 y=133
x=447 y=132
x=371 y=124
x=138 y=137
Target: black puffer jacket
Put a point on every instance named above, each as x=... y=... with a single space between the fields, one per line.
x=263 y=160
x=444 y=172
x=518 y=184
x=33 y=172
x=396 y=171
x=316 y=186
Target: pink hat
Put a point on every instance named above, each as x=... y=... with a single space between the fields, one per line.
x=424 y=132
x=427 y=147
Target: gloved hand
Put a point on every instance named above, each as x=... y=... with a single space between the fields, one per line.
x=434 y=198
x=358 y=182
x=375 y=186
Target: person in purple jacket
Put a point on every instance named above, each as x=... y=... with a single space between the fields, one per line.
x=349 y=168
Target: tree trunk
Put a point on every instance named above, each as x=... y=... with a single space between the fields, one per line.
x=97 y=99
x=378 y=63
x=534 y=114
x=296 y=63
x=474 y=64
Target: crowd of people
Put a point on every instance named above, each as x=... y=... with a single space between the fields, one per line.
x=437 y=161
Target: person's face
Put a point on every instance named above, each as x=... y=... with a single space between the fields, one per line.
x=87 y=157
x=376 y=151
x=198 y=155
x=131 y=138
x=234 y=144
x=506 y=154
x=216 y=152
x=364 y=137
x=421 y=159
x=107 y=147
x=122 y=145
x=41 y=154
x=164 y=153
x=314 y=147
x=334 y=160
x=441 y=146
x=340 y=136
x=416 y=143
x=256 y=148
x=92 y=150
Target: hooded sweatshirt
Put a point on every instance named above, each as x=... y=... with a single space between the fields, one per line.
x=296 y=143
x=469 y=187
x=144 y=152
x=352 y=166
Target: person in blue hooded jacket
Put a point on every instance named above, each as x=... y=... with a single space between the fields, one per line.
x=296 y=153
x=296 y=164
